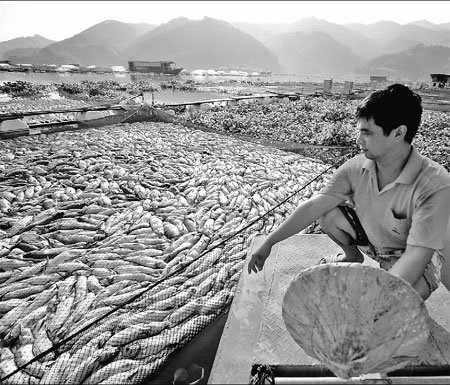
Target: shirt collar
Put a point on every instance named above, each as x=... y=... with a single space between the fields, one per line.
x=410 y=171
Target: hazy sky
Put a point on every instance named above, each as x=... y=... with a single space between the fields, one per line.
x=58 y=20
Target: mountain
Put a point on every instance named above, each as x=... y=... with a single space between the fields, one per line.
x=380 y=31
x=314 y=53
x=20 y=52
x=426 y=24
x=398 y=44
x=36 y=41
x=309 y=46
x=383 y=31
x=43 y=56
x=262 y=32
x=101 y=44
x=203 y=44
x=361 y=46
x=415 y=63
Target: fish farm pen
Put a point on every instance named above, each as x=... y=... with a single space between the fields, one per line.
x=121 y=245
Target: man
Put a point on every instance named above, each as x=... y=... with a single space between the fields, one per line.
x=390 y=202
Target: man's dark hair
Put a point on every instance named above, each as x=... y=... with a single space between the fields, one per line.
x=392 y=107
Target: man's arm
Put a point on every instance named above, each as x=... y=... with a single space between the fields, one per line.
x=412 y=264
x=305 y=214
x=428 y=233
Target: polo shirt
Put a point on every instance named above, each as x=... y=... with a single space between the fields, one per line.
x=412 y=210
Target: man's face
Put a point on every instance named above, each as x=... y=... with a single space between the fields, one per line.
x=372 y=140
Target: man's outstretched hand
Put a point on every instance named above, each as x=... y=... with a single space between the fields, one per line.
x=258 y=258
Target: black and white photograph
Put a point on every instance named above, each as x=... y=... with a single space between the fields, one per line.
x=224 y=192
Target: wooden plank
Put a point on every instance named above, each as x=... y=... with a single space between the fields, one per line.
x=239 y=343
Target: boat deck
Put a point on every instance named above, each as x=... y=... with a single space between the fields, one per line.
x=255 y=333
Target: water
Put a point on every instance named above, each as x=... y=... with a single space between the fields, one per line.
x=167 y=96
x=57 y=77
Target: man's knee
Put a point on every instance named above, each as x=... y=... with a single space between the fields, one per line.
x=331 y=219
x=445 y=271
x=334 y=222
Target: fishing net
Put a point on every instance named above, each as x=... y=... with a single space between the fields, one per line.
x=119 y=245
x=355 y=319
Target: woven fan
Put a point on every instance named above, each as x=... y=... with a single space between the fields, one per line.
x=355 y=319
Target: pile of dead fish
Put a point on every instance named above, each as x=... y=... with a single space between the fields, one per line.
x=143 y=226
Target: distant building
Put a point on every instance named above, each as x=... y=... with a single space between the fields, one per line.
x=440 y=80
x=327 y=84
x=378 y=79
x=156 y=67
x=377 y=82
x=348 y=86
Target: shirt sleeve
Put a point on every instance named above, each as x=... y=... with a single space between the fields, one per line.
x=430 y=219
x=339 y=184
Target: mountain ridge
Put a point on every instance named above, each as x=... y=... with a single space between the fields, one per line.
x=212 y=43
x=35 y=41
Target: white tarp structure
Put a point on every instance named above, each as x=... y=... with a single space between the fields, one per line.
x=118 y=69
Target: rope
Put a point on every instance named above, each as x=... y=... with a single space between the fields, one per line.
x=135 y=112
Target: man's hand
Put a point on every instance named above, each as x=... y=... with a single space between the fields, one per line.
x=258 y=258
x=412 y=264
x=305 y=214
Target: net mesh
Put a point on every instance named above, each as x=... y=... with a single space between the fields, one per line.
x=119 y=245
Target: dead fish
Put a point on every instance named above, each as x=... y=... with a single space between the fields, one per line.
x=33 y=316
x=80 y=289
x=56 y=374
x=83 y=370
x=80 y=309
x=41 y=342
x=170 y=230
x=137 y=331
x=206 y=285
x=158 y=294
x=110 y=370
x=145 y=347
x=215 y=303
x=157 y=225
x=136 y=269
x=6 y=306
x=13 y=263
x=25 y=292
x=144 y=371
x=93 y=284
x=111 y=290
x=201 y=264
x=144 y=316
x=184 y=312
x=8 y=366
x=146 y=261
x=65 y=255
x=8 y=195
x=138 y=277
x=24 y=354
x=20 y=226
x=42 y=279
x=120 y=299
x=61 y=315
